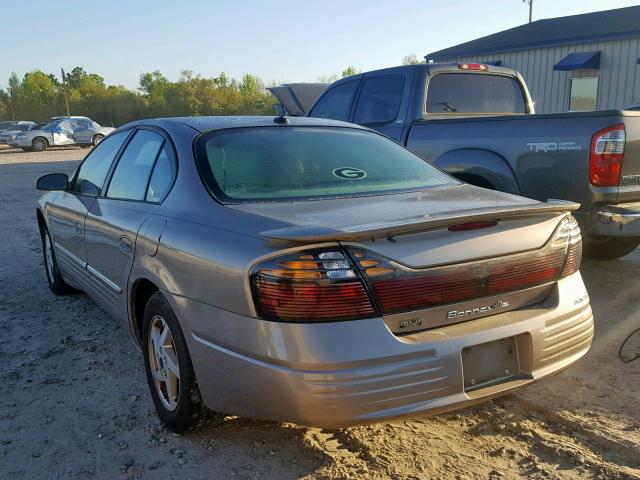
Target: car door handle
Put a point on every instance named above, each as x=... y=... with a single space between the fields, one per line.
x=78 y=227
x=125 y=244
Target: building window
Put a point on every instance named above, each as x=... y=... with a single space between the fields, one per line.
x=584 y=93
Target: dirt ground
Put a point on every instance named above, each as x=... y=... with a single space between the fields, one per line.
x=75 y=405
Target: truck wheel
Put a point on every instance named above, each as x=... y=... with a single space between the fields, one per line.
x=608 y=248
x=39 y=144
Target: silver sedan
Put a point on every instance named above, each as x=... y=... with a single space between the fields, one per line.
x=312 y=271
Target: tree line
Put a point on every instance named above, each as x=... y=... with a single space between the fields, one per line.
x=38 y=96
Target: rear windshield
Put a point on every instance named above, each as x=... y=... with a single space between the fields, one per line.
x=279 y=163
x=474 y=93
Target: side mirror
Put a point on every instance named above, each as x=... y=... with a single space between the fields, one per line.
x=53 y=181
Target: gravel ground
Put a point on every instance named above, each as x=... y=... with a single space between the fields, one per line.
x=74 y=401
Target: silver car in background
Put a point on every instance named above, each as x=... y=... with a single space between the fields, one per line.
x=58 y=132
x=312 y=271
x=7 y=136
x=90 y=133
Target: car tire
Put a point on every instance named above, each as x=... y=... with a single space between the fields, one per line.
x=56 y=283
x=168 y=367
x=96 y=139
x=608 y=248
x=39 y=144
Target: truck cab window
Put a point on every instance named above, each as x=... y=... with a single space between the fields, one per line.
x=380 y=100
x=463 y=93
x=335 y=103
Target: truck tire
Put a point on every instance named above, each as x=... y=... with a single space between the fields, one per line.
x=608 y=248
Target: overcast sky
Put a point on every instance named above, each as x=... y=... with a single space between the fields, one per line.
x=283 y=40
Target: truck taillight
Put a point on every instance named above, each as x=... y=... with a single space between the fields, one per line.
x=310 y=286
x=606 y=155
x=472 y=66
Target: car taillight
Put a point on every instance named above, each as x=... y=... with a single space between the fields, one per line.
x=472 y=66
x=310 y=286
x=400 y=289
x=606 y=155
x=569 y=231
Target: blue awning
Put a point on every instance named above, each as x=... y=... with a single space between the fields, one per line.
x=578 y=61
x=495 y=63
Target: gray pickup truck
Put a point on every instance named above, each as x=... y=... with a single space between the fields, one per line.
x=477 y=123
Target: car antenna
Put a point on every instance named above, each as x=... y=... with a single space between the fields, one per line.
x=282 y=115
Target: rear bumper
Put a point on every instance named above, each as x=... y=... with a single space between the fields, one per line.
x=344 y=373
x=622 y=220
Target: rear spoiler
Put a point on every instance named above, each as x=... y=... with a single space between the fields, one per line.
x=313 y=234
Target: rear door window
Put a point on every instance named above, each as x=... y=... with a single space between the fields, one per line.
x=131 y=176
x=162 y=177
x=459 y=93
x=380 y=100
x=335 y=103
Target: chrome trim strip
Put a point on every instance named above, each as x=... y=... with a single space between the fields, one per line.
x=104 y=279
x=70 y=255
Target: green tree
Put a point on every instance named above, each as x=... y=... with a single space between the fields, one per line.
x=349 y=71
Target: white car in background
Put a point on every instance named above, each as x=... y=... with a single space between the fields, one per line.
x=6 y=136
x=90 y=133
x=58 y=132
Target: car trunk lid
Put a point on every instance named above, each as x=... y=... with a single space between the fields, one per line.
x=413 y=228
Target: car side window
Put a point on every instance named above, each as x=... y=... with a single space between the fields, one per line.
x=93 y=171
x=335 y=103
x=131 y=176
x=380 y=100
x=162 y=177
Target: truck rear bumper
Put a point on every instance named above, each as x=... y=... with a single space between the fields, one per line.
x=622 y=220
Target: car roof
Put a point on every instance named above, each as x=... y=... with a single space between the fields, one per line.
x=206 y=124
x=429 y=67
x=72 y=116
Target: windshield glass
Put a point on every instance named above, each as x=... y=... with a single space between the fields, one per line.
x=271 y=163
x=458 y=93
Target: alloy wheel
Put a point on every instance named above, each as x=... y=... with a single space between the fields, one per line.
x=39 y=145
x=163 y=360
x=48 y=255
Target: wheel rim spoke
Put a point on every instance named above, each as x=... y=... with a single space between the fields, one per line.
x=163 y=361
x=172 y=365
